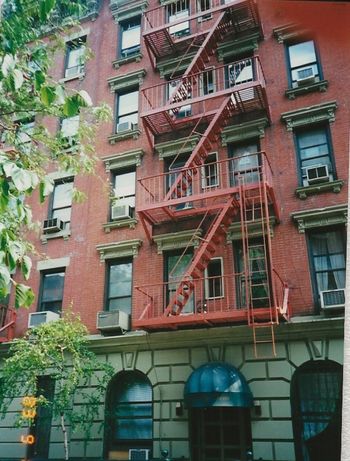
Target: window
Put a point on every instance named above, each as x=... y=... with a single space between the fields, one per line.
x=174 y=168
x=129 y=414
x=244 y=163
x=61 y=202
x=210 y=176
x=69 y=129
x=303 y=63
x=258 y=276
x=130 y=37
x=51 y=292
x=175 y=266
x=75 y=57
x=183 y=111
x=127 y=110
x=214 y=287
x=119 y=285
x=207 y=82
x=327 y=251
x=204 y=5
x=41 y=428
x=240 y=72
x=177 y=11
x=124 y=193
x=25 y=130
x=314 y=156
x=316 y=391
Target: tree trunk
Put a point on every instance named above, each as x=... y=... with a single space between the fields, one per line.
x=65 y=437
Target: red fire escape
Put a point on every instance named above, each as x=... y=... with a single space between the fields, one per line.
x=7 y=323
x=202 y=102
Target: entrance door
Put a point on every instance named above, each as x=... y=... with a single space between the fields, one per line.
x=220 y=434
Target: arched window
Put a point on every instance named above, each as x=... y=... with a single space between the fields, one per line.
x=129 y=414
x=316 y=391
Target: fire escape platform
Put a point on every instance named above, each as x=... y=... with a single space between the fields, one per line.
x=168 y=31
x=7 y=323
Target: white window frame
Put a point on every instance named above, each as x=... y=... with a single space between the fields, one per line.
x=204 y=177
x=206 y=282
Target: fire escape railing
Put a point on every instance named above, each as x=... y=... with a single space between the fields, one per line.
x=7 y=323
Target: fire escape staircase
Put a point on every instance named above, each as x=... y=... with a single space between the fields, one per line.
x=7 y=323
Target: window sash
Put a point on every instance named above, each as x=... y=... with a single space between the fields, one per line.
x=214 y=286
x=131 y=36
x=62 y=201
x=128 y=106
x=119 y=291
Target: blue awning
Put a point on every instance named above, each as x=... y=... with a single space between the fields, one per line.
x=217 y=384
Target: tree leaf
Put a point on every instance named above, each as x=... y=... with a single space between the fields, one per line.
x=45 y=188
x=70 y=106
x=7 y=65
x=21 y=178
x=49 y=5
x=18 y=78
x=26 y=266
x=24 y=296
x=85 y=99
x=39 y=79
x=5 y=279
x=47 y=95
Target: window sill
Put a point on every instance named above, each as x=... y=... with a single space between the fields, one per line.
x=333 y=186
x=321 y=86
x=79 y=76
x=65 y=234
x=128 y=222
x=134 y=134
x=132 y=58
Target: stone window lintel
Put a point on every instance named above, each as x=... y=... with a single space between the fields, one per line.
x=119 y=249
x=308 y=115
x=171 y=148
x=123 y=10
x=119 y=161
x=320 y=217
x=236 y=133
x=122 y=82
x=255 y=229
x=167 y=66
x=288 y=32
x=173 y=241
x=239 y=46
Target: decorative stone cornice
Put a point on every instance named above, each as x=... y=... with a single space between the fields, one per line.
x=132 y=58
x=252 y=129
x=167 y=66
x=308 y=115
x=125 y=159
x=175 y=147
x=320 y=217
x=239 y=46
x=119 y=249
x=121 y=82
x=332 y=186
x=124 y=9
x=254 y=229
x=288 y=32
x=116 y=137
x=321 y=86
x=182 y=239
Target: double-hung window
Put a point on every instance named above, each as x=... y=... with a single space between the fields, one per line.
x=174 y=97
x=176 y=264
x=314 y=155
x=327 y=251
x=69 y=129
x=127 y=110
x=130 y=37
x=51 y=292
x=303 y=63
x=123 y=203
x=214 y=287
x=61 y=201
x=178 y=11
x=75 y=57
x=210 y=172
x=119 y=285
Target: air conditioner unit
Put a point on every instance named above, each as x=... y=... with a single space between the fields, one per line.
x=139 y=454
x=305 y=75
x=37 y=318
x=332 y=299
x=53 y=225
x=113 y=321
x=121 y=211
x=316 y=174
x=125 y=126
x=73 y=71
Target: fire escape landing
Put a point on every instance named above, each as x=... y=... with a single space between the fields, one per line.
x=7 y=323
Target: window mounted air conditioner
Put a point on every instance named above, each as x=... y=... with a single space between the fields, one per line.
x=125 y=126
x=139 y=454
x=332 y=299
x=37 y=318
x=316 y=174
x=306 y=75
x=73 y=71
x=113 y=321
x=121 y=211
x=52 y=226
